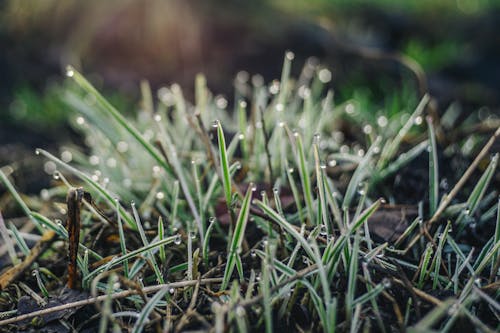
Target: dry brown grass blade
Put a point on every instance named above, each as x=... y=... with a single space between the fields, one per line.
x=14 y=272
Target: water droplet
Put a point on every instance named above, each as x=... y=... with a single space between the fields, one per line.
x=127 y=182
x=80 y=120
x=111 y=162
x=290 y=170
x=211 y=219
x=192 y=234
x=243 y=104
x=66 y=156
x=281 y=124
x=241 y=137
x=94 y=160
x=361 y=152
x=305 y=260
x=56 y=175
x=45 y=194
x=160 y=195
x=253 y=187
x=171 y=291
x=34 y=272
x=386 y=283
x=69 y=71
x=215 y=123
x=37 y=151
x=349 y=108
x=324 y=75
x=290 y=55
x=177 y=239
x=49 y=167
x=419 y=120
x=253 y=254
x=383 y=201
x=220 y=101
x=274 y=88
x=367 y=129
x=156 y=171
x=280 y=107
x=157 y=118
x=382 y=121
x=361 y=188
x=122 y=146
x=132 y=203
x=275 y=190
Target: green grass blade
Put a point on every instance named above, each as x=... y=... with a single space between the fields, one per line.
x=226 y=177
x=433 y=170
x=148 y=308
x=110 y=200
x=238 y=236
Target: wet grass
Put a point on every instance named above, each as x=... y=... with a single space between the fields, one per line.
x=177 y=198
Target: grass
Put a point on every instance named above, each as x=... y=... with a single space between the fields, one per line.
x=183 y=194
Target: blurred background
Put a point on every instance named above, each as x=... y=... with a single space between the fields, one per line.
x=382 y=50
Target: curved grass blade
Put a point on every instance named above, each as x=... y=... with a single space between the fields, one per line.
x=95 y=185
x=238 y=236
x=148 y=308
x=226 y=178
x=106 y=106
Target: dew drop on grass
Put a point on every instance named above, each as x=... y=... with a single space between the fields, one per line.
x=69 y=71
x=37 y=151
x=240 y=311
x=382 y=121
x=94 y=160
x=178 y=239
x=253 y=187
x=275 y=190
x=192 y=234
x=157 y=118
x=290 y=170
x=49 y=167
x=274 y=88
x=418 y=120
x=280 y=107
x=367 y=129
x=160 y=195
x=349 y=108
x=215 y=123
x=66 y=156
x=80 y=120
x=45 y=194
x=132 y=203
x=386 y=283
x=241 y=137
x=122 y=146
x=253 y=254
x=56 y=175
x=324 y=75
x=211 y=219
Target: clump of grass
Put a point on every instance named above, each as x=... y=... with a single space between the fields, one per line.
x=175 y=208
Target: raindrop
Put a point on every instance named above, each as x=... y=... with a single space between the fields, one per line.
x=160 y=195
